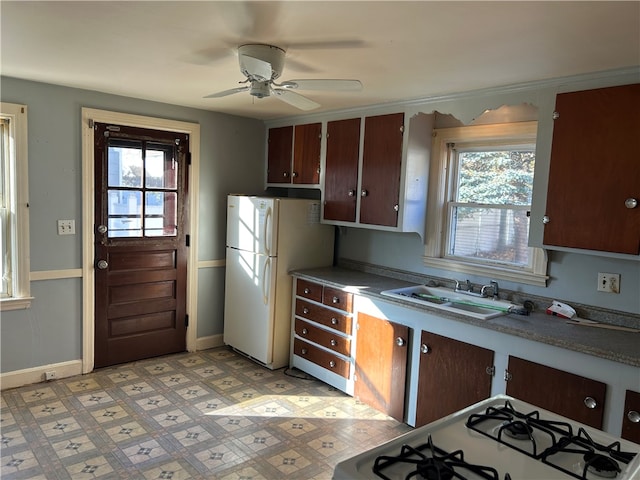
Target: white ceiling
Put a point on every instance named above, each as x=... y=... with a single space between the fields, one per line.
x=177 y=51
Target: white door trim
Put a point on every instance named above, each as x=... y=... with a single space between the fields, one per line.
x=90 y=115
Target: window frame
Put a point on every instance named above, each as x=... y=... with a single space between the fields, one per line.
x=17 y=167
x=441 y=178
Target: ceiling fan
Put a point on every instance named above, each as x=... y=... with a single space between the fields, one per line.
x=262 y=64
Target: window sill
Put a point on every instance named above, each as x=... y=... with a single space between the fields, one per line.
x=15 y=303
x=495 y=272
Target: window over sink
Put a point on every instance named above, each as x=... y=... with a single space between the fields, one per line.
x=480 y=188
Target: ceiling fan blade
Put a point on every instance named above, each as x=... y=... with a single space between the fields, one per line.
x=231 y=91
x=326 y=84
x=295 y=99
x=255 y=67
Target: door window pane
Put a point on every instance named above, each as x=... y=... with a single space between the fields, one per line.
x=125 y=213
x=160 y=218
x=125 y=163
x=161 y=169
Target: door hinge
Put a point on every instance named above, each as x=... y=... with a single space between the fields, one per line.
x=188 y=158
x=90 y=123
x=187 y=240
x=491 y=370
x=507 y=376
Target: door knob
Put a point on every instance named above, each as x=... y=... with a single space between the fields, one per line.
x=102 y=264
x=102 y=229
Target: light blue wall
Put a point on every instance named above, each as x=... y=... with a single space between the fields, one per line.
x=231 y=160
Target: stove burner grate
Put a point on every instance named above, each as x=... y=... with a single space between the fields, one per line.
x=432 y=463
x=601 y=465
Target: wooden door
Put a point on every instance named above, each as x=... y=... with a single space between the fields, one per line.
x=279 y=148
x=306 y=153
x=341 y=170
x=594 y=169
x=140 y=243
x=381 y=169
x=630 y=422
x=453 y=375
x=557 y=391
x=381 y=364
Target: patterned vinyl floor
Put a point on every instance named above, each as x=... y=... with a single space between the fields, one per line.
x=207 y=415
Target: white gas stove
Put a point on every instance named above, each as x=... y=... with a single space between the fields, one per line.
x=500 y=438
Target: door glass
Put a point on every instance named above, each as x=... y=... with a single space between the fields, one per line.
x=142 y=183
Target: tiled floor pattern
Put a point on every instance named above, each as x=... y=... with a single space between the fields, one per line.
x=205 y=415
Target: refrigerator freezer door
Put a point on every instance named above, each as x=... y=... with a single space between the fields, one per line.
x=249 y=303
x=250 y=224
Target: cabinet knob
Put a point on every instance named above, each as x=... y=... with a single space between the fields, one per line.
x=400 y=342
x=590 y=402
x=334 y=321
x=333 y=342
x=631 y=203
x=305 y=310
x=396 y=207
x=633 y=416
x=335 y=300
x=424 y=348
x=332 y=364
x=351 y=193
x=546 y=219
x=307 y=291
x=285 y=174
x=304 y=351
x=364 y=193
x=304 y=331
x=294 y=174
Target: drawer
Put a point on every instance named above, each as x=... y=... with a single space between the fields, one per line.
x=324 y=316
x=321 y=357
x=334 y=297
x=323 y=337
x=310 y=290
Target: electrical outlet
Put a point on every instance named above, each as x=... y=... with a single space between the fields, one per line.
x=609 y=282
x=66 y=227
x=50 y=375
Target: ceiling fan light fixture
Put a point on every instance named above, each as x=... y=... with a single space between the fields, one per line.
x=260 y=89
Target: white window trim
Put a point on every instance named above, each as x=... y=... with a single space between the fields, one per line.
x=439 y=185
x=21 y=299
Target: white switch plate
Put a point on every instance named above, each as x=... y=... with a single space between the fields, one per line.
x=66 y=227
x=609 y=282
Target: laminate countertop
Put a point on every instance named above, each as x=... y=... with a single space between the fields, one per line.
x=616 y=345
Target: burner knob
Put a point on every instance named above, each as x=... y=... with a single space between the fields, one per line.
x=590 y=402
x=633 y=416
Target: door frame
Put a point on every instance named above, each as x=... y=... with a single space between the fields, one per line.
x=90 y=115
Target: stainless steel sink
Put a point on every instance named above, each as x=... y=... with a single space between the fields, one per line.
x=447 y=299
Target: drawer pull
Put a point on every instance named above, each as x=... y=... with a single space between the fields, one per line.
x=332 y=364
x=304 y=351
x=590 y=402
x=335 y=300
x=333 y=342
x=304 y=331
x=307 y=291
x=305 y=310
x=633 y=416
x=334 y=321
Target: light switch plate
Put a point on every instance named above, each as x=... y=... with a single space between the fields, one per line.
x=66 y=227
x=609 y=282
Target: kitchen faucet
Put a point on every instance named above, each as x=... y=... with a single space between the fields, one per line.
x=468 y=289
x=493 y=285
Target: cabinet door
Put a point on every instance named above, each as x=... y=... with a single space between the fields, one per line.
x=306 y=154
x=631 y=420
x=381 y=169
x=341 y=170
x=381 y=364
x=279 y=148
x=453 y=375
x=556 y=390
x=594 y=169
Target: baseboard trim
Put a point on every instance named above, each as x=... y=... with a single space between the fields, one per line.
x=28 y=376
x=212 y=341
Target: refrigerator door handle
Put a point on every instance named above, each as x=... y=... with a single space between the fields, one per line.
x=266 y=234
x=265 y=281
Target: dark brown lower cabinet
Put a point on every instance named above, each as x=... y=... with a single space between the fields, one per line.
x=381 y=364
x=453 y=375
x=570 y=395
x=631 y=420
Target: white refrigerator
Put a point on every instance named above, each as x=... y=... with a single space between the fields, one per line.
x=266 y=238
